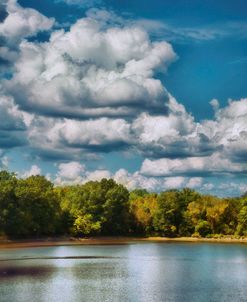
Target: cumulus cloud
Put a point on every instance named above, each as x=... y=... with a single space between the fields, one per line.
x=4 y=161
x=122 y=176
x=174 y=182
x=215 y=164
x=19 y=23
x=74 y=173
x=101 y=133
x=178 y=135
x=194 y=182
x=171 y=135
x=221 y=140
x=11 y=118
x=70 y=171
x=97 y=175
x=34 y=170
x=179 y=182
x=13 y=123
x=23 y=22
x=230 y=129
x=226 y=187
x=73 y=139
x=173 y=139
x=92 y=70
x=136 y=180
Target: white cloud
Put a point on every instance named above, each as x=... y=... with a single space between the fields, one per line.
x=11 y=118
x=122 y=176
x=179 y=182
x=4 y=161
x=176 y=141
x=70 y=171
x=34 y=170
x=174 y=182
x=136 y=180
x=92 y=70
x=208 y=186
x=229 y=129
x=215 y=104
x=193 y=165
x=216 y=145
x=75 y=173
x=22 y=22
x=100 y=132
x=97 y=175
x=241 y=187
x=79 y=138
x=194 y=182
x=225 y=187
x=13 y=123
x=167 y=135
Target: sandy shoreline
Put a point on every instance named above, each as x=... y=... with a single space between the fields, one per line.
x=108 y=241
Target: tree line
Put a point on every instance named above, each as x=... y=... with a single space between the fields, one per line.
x=34 y=207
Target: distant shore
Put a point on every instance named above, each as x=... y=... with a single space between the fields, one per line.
x=63 y=241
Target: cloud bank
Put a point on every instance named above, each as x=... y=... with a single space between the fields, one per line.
x=94 y=89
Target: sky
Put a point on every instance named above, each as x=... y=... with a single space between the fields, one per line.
x=150 y=93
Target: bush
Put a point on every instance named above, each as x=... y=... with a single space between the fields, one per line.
x=203 y=228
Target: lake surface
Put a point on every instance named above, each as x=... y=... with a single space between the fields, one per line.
x=133 y=272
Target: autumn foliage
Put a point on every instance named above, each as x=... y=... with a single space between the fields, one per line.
x=34 y=207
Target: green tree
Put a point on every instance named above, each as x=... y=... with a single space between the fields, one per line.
x=34 y=207
x=215 y=212
x=143 y=208
x=10 y=215
x=167 y=217
x=39 y=206
x=101 y=204
x=185 y=197
x=115 y=208
x=242 y=218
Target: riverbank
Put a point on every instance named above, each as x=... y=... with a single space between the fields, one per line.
x=62 y=241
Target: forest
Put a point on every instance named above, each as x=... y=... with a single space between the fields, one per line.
x=34 y=207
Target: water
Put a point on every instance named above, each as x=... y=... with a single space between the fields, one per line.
x=143 y=272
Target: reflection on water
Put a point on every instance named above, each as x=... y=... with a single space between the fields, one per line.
x=24 y=271
x=135 y=272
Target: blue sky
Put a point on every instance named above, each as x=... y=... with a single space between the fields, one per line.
x=124 y=89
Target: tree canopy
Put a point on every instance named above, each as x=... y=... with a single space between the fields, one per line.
x=34 y=207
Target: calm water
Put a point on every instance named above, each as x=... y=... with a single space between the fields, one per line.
x=133 y=272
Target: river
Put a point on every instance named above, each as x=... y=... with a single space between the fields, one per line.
x=145 y=272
